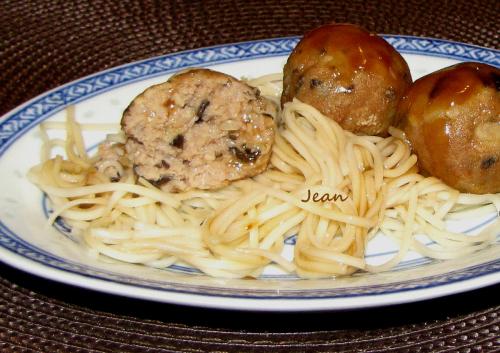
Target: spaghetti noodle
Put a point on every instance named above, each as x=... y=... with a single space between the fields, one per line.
x=237 y=231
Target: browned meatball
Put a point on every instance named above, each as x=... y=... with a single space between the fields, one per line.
x=350 y=75
x=452 y=120
x=200 y=129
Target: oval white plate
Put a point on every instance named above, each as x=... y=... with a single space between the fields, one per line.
x=26 y=243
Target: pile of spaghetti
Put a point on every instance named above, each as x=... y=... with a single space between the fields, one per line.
x=240 y=229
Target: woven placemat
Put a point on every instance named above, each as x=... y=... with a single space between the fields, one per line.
x=47 y=43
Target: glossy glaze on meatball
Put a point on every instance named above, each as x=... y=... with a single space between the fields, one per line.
x=200 y=129
x=452 y=120
x=350 y=75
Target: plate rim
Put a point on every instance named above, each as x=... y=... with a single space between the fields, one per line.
x=237 y=302
x=246 y=303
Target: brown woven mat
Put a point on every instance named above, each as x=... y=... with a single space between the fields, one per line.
x=47 y=43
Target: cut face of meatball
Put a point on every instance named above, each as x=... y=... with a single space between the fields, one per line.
x=350 y=75
x=200 y=129
x=452 y=120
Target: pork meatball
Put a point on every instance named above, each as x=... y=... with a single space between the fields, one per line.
x=350 y=75
x=452 y=120
x=200 y=129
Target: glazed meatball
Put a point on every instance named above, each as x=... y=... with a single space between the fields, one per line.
x=452 y=120
x=200 y=129
x=350 y=75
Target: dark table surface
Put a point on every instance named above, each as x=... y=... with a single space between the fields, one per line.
x=47 y=43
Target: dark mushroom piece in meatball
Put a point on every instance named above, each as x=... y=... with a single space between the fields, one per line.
x=452 y=120
x=348 y=74
x=200 y=129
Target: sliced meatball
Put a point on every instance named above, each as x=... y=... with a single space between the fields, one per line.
x=350 y=75
x=452 y=120
x=200 y=129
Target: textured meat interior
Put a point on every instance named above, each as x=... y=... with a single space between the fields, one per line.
x=200 y=129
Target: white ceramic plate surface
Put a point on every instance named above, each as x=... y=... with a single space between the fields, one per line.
x=26 y=243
